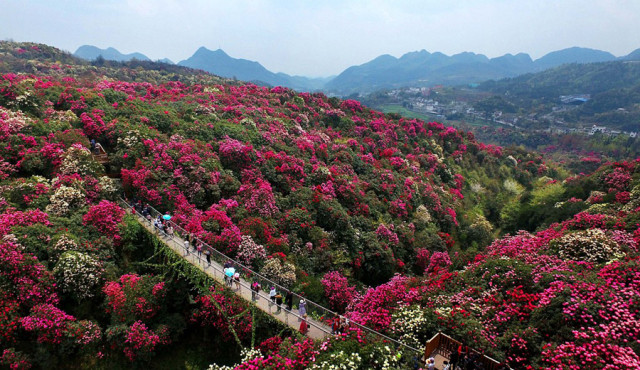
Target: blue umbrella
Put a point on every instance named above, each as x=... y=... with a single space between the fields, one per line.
x=230 y=271
x=166 y=217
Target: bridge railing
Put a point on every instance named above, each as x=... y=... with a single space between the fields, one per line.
x=323 y=315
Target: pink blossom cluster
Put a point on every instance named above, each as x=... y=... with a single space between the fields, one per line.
x=105 y=216
x=141 y=341
x=338 y=291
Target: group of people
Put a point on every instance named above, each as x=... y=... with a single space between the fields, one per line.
x=339 y=325
x=198 y=247
x=277 y=299
x=161 y=223
x=163 y=227
x=464 y=360
x=230 y=274
x=144 y=210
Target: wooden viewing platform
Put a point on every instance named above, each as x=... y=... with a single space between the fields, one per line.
x=100 y=155
x=441 y=346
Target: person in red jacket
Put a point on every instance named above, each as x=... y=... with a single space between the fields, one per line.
x=303 y=325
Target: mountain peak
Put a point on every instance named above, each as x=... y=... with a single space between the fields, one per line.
x=634 y=55
x=90 y=52
x=205 y=50
x=573 y=54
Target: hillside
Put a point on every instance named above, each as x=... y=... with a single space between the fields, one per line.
x=388 y=220
x=614 y=89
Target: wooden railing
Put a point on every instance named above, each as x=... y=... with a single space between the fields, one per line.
x=100 y=155
x=432 y=346
x=443 y=345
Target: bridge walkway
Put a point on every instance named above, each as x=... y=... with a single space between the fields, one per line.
x=316 y=329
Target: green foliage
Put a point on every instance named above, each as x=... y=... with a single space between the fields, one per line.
x=35 y=239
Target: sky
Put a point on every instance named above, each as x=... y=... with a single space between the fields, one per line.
x=322 y=38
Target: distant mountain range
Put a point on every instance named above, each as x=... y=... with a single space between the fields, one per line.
x=422 y=68
x=90 y=52
x=419 y=68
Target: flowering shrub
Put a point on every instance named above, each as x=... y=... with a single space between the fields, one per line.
x=108 y=187
x=595 y=197
x=27 y=281
x=63 y=244
x=618 y=180
x=337 y=290
x=387 y=235
x=340 y=360
x=50 y=323
x=281 y=272
x=85 y=332
x=249 y=252
x=11 y=218
x=78 y=274
x=15 y=360
x=258 y=197
x=134 y=297
x=12 y=122
x=246 y=355
x=411 y=324
x=65 y=200
x=105 y=216
x=422 y=214
x=78 y=159
x=374 y=308
x=422 y=259
x=140 y=341
x=438 y=261
x=293 y=354
x=589 y=245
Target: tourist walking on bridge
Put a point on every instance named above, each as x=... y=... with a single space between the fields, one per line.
x=272 y=295
x=302 y=308
x=236 y=279
x=304 y=328
x=335 y=325
x=288 y=300
x=207 y=255
x=255 y=289
x=279 y=302
x=228 y=275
